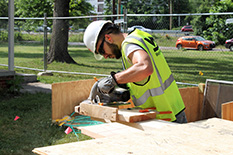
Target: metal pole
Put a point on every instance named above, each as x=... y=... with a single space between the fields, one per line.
x=11 y=35
x=45 y=42
x=125 y=20
x=119 y=8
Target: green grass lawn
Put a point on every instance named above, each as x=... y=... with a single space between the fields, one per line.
x=34 y=128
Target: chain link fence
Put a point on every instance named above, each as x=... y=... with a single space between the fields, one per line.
x=185 y=64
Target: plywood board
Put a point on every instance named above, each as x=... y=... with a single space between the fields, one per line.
x=192 y=98
x=112 y=129
x=213 y=136
x=227 y=111
x=107 y=130
x=97 y=111
x=67 y=95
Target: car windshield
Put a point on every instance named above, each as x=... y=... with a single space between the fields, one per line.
x=199 y=39
x=138 y=27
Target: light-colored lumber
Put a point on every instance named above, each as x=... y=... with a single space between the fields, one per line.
x=97 y=111
x=107 y=130
x=134 y=116
x=227 y=111
x=112 y=129
x=67 y=95
x=210 y=137
x=112 y=113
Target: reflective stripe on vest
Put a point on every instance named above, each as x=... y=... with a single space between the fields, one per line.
x=155 y=91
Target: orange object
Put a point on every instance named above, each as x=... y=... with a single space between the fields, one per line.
x=101 y=104
x=154 y=109
x=95 y=78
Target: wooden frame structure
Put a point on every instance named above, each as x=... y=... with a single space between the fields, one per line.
x=67 y=95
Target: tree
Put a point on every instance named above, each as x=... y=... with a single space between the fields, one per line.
x=58 y=50
x=3 y=13
x=150 y=7
x=35 y=8
x=199 y=22
x=4 y=8
x=217 y=29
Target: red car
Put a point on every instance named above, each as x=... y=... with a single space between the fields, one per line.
x=229 y=44
x=187 y=28
x=196 y=42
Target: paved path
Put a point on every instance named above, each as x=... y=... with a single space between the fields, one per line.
x=35 y=87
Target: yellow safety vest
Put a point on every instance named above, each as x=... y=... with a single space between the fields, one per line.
x=159 y=89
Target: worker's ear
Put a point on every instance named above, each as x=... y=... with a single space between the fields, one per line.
x=108 y=38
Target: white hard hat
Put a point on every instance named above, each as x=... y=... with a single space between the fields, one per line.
x=91 y=35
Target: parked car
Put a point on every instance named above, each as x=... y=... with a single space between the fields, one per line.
x=187 y=28
x=41 y=29
x=196 y=42
x=229 y=44
x=139 y=27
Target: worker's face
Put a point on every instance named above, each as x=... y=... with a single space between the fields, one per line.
x=116 y=51
x=108 y=50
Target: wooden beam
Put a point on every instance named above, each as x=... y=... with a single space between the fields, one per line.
x=227 y=111
x=132 y=116
x=97 y=111
x=112 y=113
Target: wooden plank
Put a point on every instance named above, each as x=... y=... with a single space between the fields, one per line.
x=117 y=128
x=97 y=111
x=112 y=113
x=67 y=95
x=134 y=116
x=107 y=130
x=192 y=98
x=213 y=136
x=227 y=111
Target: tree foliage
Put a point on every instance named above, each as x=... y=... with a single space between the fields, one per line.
x=150 y=7
x=37 y=8
x=218 y=30
x=199 y=22
x=3 y=8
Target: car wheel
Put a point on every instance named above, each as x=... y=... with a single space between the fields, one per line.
x=179 y=46
x=200 y=48
x=231 y=48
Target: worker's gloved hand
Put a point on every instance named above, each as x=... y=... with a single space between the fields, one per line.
x=106 y=85
x=96 y=96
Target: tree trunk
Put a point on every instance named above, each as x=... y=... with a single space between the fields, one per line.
x=58 y=50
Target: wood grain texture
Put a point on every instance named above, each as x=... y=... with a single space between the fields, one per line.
x=97 y=111
x=192 y=98
x=134 y=116
x=208 y=137
x=67 y=95
x=227 y=111
x=107 y=130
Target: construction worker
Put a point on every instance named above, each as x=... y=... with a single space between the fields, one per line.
x=146 y=72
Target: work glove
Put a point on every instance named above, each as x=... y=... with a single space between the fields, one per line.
x=96 y=96
x=106 y=85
